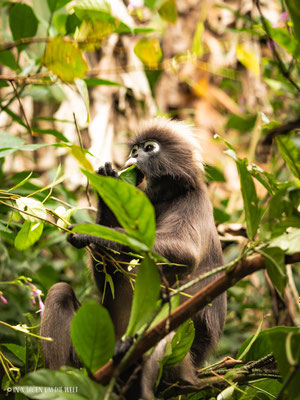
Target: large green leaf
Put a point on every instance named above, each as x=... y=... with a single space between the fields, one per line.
x=130 y=205
x=93 y=336
x=45 y=384
x=64 y=59
x=109 y=234
x=147 y=289
x=22 y=21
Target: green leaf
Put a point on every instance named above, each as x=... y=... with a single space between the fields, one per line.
x=289 y=242
x=130 y=205
x=274 y=259
x=255 y=347
x=55 y=5
x=53 y=132
x=83 y=387
x=149 y=52
x=294 y=10
x=93 y=336
x=241 y=124
x=168 y=11
x=18 y=351
x=181 y=343
x=98 y=82
x=92 y=9
x=110 y=234
x=64 y=59
x=9 y=144
x=129 y=175
x=213 y=174
x=147 y=289
x=28 y=235
x=290 y=154
x=72 y=23
x=23 y=22
x=250 y=199
x=7 y=58
x=32 y=206
x=243 y=351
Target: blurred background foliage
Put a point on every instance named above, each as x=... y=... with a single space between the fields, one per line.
x=82 y=74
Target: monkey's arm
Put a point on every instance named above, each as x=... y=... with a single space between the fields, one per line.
x=80 y=240
x=104 y=215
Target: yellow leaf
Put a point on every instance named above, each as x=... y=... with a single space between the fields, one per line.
x=149 y=52
x=248 y=58
x=79 y=154
x=64 y=59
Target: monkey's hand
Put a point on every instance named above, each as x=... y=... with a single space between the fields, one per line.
x=79 y=240
x=107 y=170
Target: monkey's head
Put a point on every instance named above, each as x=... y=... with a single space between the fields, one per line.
x=166 y=149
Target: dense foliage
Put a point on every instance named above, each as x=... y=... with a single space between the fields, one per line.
x=48 y=48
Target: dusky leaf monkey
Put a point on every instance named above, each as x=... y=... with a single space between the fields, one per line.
x=167 y=159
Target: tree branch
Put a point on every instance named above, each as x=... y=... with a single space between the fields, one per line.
x=188 y=309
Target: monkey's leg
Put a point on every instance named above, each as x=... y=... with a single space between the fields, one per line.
x=60 y=306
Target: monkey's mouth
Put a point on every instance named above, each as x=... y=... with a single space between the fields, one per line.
x=140 y=176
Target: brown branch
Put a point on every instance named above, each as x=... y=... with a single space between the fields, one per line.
x=263 y=148
x=188 y=309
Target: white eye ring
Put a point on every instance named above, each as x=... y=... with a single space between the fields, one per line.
x=151 y=146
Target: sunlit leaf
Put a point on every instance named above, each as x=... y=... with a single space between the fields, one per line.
x=248 y=58
x=168 y=11
x=283 y=37
x=149 y=52
x=28 y=235
x=32 y=206
x=64 y=59
x=80 y=156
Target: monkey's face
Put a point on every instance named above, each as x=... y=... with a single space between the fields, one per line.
x=144 y=156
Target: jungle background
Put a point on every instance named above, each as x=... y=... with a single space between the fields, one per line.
x=76 y=79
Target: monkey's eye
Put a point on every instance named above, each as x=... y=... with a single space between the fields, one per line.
x=151 y=146
x=134 y=150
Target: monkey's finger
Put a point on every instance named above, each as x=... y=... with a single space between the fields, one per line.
x=110 y=171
